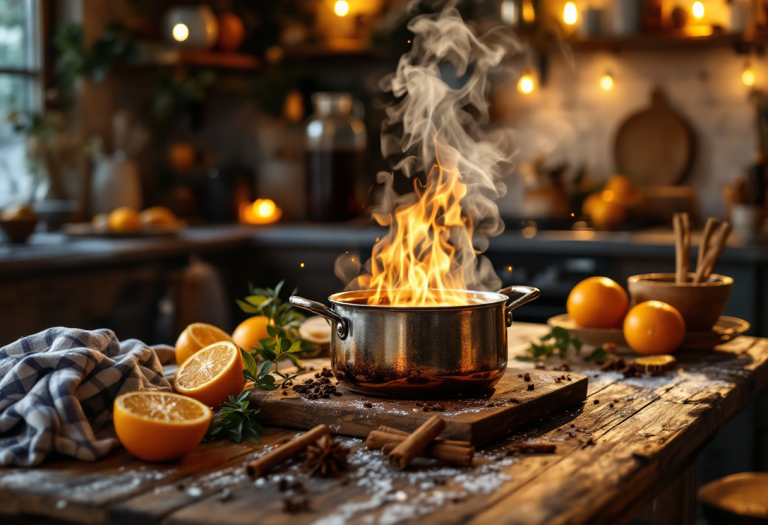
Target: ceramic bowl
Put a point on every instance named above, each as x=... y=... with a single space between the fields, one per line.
x=700 y=304
x=18 y=231
x=738 y=499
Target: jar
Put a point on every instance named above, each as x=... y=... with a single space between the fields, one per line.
x=335 y=154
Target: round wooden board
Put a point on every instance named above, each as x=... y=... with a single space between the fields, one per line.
x=654 y=147
x=727 y=328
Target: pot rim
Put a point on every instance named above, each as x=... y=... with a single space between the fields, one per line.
x=652 y=279
x=490 y=299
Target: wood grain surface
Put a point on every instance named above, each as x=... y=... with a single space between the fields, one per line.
x=616 y=452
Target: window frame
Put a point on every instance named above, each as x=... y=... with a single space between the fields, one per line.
x=34 y=71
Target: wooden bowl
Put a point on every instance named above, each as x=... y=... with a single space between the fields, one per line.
x=700 y=304
x=738 y=499
x=18 y=231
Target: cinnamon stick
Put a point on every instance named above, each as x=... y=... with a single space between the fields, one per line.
x=260 y=466
x=460 y=455
x=390 y=430
x=414 y=444
x=677 y=224
x=719 y=241
x=706 y=236
x=686 y=245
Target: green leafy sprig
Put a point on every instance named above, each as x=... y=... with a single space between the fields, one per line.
x=283 y=340
x=559 y=342
x=237 y=422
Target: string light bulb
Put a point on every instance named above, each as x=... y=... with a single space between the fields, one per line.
x=180 y=32
x=341 y=8
x=606 y=82
x=570 y=14
x=748 y=76
x=525 y=84
x=529 y=12
x=698 y=10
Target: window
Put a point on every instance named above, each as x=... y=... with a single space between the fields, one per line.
x=20 y=89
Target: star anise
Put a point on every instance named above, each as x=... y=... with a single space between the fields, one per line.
x=325 y=457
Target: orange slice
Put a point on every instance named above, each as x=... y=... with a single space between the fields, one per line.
x=212 y=374
x=655 y=364
x=160 y=426
x=197 y=336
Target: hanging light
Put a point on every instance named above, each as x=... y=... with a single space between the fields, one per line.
x=748 y=75
x=606 y=82
x=341 y=8
x=529 y=12
x=570 y=14
x=180 y=32
x=525 y=85
x=698 y=10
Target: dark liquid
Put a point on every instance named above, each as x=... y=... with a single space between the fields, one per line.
x=332 y=178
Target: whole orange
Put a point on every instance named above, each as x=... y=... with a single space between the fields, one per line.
x=622 y=188
x=654 y=327
x=589 y=204
x=231 y=32
x=248 y=333
x=124 y=219
x=158 y=216
x=597 y=302
x=607 y=214
x=181 y=156
x=159 y=426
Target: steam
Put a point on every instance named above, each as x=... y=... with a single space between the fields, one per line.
x=442 y=86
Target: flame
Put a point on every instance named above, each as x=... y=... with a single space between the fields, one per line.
x=417 y=264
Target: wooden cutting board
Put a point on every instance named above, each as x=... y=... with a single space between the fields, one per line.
x=654 y=147
x=469 y=419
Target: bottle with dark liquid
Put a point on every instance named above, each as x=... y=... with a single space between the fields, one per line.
x=335 y=153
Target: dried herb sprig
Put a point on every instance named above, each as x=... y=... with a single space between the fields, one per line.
x=283 y=340
x=558 y=342
x=237 y=421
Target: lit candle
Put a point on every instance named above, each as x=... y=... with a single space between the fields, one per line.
x=262 y=211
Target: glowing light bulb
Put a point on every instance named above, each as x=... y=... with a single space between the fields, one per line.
x=570 y=14
x=698 y=10
x=606 y=82
x=525 y=85
x=264 y=207
x=341 y=8
x=529 y=12
x=748 y=76
x=180 y=32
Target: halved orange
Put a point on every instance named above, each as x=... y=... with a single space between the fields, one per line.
x=160 y=426
x=197 y=336
x=212 y=374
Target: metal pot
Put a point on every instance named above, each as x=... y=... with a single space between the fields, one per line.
x=419 y=352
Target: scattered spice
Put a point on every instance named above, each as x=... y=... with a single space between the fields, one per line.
x=317 y=389
x=596 y=401
x=614 y=363
x=414 y=444
x=297 y=486
x=526 y=377
x=368 y=404
x=565 y=367
x=295 y=506
x=515 y=401
x=589 y=442
x=325 y=457
x=530 y=386
x=263 y=464
x=433 y=406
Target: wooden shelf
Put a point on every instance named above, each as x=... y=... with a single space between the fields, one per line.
x=152 y=56
x=657 y=42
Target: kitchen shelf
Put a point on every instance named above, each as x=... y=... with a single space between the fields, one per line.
x=151 y=56
x=659 y=42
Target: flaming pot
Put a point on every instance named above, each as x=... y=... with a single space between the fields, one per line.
x=419 y=351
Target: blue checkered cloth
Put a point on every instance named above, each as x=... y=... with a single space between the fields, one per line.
x=57 y=388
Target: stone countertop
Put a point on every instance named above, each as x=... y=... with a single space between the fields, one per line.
x=56 y=251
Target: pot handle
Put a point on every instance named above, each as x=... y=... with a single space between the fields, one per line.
x=529 y=294
x=342 y=325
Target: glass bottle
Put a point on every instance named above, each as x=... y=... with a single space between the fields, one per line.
x=335 y=154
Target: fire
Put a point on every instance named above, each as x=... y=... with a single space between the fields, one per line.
x=417 y=264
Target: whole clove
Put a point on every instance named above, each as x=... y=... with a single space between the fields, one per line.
x=530 y=386
x=526 y=377
x=295 y=506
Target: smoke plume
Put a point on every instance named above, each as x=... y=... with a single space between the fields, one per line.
x=442 y=88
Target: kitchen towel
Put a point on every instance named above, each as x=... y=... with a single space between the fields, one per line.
x=57 y=388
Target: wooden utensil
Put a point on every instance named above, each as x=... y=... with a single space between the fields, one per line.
x=654 y=146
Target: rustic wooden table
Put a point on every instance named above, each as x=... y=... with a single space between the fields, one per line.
x=635 y=441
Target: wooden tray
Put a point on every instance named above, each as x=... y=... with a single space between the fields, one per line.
x=87 y=230
x=725 y=329
x=469 y=419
